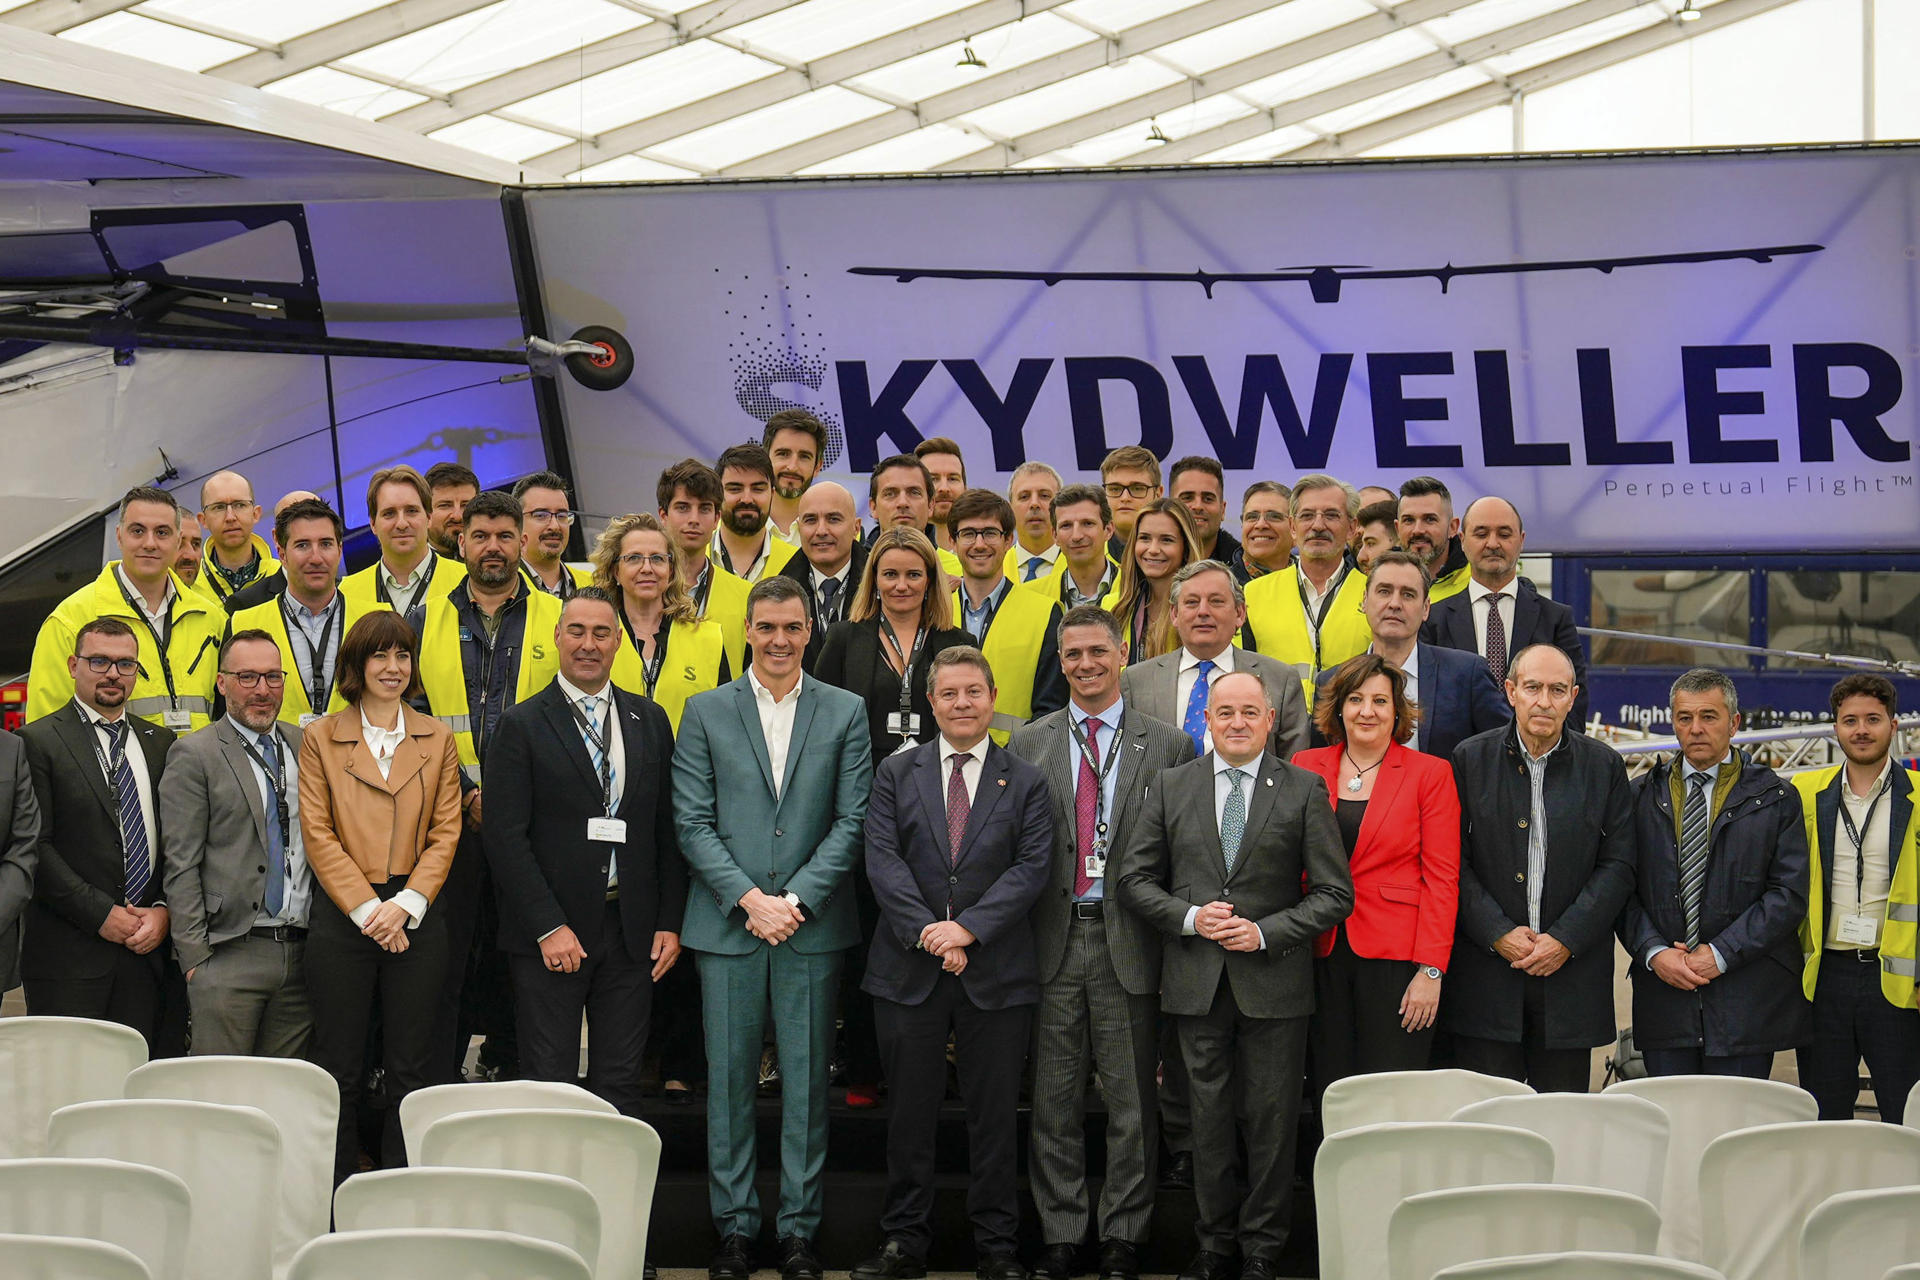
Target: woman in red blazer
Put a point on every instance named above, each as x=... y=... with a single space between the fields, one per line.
x=1377 y=981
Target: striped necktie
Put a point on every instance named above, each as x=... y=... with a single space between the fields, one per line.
x=133 y=823
x=1696 y=823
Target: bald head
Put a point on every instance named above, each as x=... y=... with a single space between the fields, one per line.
x=1240 y=717
x=229 y=513
x=298 y=495
x=1540 y=685
x=826 y=526
x=1492 y=538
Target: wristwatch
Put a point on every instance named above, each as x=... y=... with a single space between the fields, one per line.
x=1433 y=973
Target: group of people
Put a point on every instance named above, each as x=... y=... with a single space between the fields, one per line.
x=1065 y=786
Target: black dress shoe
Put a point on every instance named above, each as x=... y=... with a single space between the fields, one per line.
x=1056 y=1263
x=893 y=1262
x=1257 y=1269
x=1000 y=1266
x=1177 y=1173
x=1119 y=1260
x=798 y=1261
x=732 y=1260
x=1207 y=1265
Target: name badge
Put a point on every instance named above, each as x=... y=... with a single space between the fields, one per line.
x=176 y=720
x=907 y=726
x=1862 y=931
x=1095 y=865
x=308 y=719
x=607 y=830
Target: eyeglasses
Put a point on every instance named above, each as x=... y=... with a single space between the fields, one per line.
x=977 y=535
x=119 y=666
x=543 y=516
x=252 y=679
x=1263 y=517
x=651 y=559
x=222 y=508
x=1138 y=489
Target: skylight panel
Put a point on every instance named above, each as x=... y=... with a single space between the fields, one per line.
x=349 y=94
x=640 y=89
x=1135 y=138
x=1073 y=98
x=491 y=41
x=156 y=42
x=631 y=169
x=771 y=128
x=910 y=153
x=1279 y=26
x=1431 y=89
x=269 y=23
x=1264 y=147
x=1486 y=132
x=501 y=139
x=1490 y=15
x=1594 y=33
x=821 y=27
x=1003 y=49
x=1378 y=54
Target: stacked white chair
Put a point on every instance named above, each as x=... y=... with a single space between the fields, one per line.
x=1861 y=1234
x=1614 y=1141
x=64 y=1258
x=1438 y=1229
x=1582 y=1265
x=1759 y=1186
x=1407 y=1097
x=422 y=1254
x=1911 y=1116
x=1362 y=1175
x=50 y=1063
x=615 y=1157
x=144 y=1210
x=229 y=1157
x=419 y=1109
x=1909 y=1272
x=542 y=1206
x=1700 y=1109
x=304 y=1103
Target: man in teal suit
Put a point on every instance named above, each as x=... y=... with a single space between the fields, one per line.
x=769 y=914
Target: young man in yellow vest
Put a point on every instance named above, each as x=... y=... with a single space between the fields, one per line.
x=1019 y=631
x=1309 y=616
x=547 y=527
x=688 y=494
x=745 y=544
x=1427 y=527
x=1863 y=909
x=1084 y=571
x=1034 y=551
x=408 y=573
x=235 y=555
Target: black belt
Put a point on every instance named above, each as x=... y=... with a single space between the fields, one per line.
x=1863 y=955
x=279 y=932
x=1090 y=909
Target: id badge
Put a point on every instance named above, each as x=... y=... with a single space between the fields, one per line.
x=176 y=720
x=308 y=719
x=1095 y=866
x=907 y=726
x=607 y=830
x=1862 y=931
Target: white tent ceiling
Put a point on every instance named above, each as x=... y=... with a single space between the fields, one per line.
x=613 y=89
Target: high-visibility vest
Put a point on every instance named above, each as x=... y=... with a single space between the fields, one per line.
x=692 y=665
x=1900 y=934
x=1012 y=649
x=582 y=575
x=367 y=587
x=1015 y=565
x=726 y=604
x=1449 y=584
x=270 y=616
x=779 y=551
x=178 y=681
x=445 y=679
x=210 y=583
x=1278 y=621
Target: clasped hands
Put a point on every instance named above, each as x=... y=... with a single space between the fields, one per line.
x=138 y=929
x=770 y=919
x=1688 y=970
x=1538 y=955
x=1217 y=923
x=948 y=939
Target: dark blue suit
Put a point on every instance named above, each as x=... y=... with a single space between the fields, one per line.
x=1536 y=620
x=1458 y=698
x=989 y=887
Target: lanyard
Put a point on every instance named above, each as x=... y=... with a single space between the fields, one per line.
x=649 y=670
x=994 y=601
x=1315 y=617
x=701 y=587
x=1859 y=837
x=1137 y=642
x=319 y=687
x=907 y=659
x=602 y=740
x=161 y=639
x=423 y=574
x=1084 y=742
x=276 y=777
x=111 y=764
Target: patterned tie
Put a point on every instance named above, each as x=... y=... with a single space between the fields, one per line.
x=1034 y=566
x=590 y=707
x=276 y=835
x=1195 y=722
x=958 y=807
x=1695 y=825
x=133 y=826
x=1086 y=807
x=1233 y=819
x=829 y=589
x=1496 y=637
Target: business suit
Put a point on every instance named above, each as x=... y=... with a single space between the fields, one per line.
x=66 y=966
x=1153 y=687
x=988 y=886
x=20 y=820
x=800 y=569
x=1458 y=698
x=1099 y=992
x=1536 y=620
x=248 y=992
x=543 y=790
x=1243 y=1015
x=802 y=838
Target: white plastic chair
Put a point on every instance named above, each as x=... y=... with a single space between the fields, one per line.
x=229 y=1157
x=543 y=1206
x=1759 y=1186
x=1861 y=1233
x=615 y=1157
x=50 y=1063
x=1583 y=1265
x=303 y=1102
x=1362 y=1175
x=1618 y=1142
x=1909 y=1272
x=144 y=1210
x=419 y=1109
x=447 y=1255
x=1910 y=1117
x=64 y=1258
x=1438 y=1229
x=1408 y=1097
x=1700 y=1109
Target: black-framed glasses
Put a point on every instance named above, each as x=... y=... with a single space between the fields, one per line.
x=252 y=679
x=119 y=666
x=544 y=516
x=978 y=535
x=1138 y=489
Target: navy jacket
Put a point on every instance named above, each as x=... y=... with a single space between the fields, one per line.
x=1458 y=698
x=1536 y=620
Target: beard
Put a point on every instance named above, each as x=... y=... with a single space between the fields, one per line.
x=744 y=520
x=493 y=573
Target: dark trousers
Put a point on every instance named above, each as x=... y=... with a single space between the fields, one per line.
x=1356 y=1020
x=1851 y=1021
x=476 y=991
x=1695 y=1062
x=1176 y=1102
x=146 y=993
x=859 y=1040
x=344 y=970
x=677 y=1035
x=990 y=1049
x=614 y=990
x=1528 y=1059
x=1247 y=1075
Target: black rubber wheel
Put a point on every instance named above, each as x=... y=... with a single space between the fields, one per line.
x=607 y=368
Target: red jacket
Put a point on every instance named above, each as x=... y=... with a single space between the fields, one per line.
x=1406 y=865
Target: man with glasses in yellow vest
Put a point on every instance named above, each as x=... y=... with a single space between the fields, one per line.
x=1019 y=631
x=1309 y=616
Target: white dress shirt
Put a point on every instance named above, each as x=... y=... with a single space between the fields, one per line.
x=1875 y=851
x=1537 y=828
x=776 y=724
x=404 y=593
x=142 y=784
x=842 y=600
x=1183 y=684
x=1481 y=599
x=1222 y=789
x=1024 y=558
x=1315 y=597
x=156 y=618
x=1103 y=744
x=297 y=894
x=381 y=744
x=975 y=761
x=1411 y=670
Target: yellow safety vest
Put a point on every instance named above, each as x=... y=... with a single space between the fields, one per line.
x=366 y=586
x=210 y=583
x=445 y=679
x=1449 y=584
x=1050 y=585
x=692 y=665
x=178 y=681
x=1012 y=649
x=582 y=575
x=1015 y=565
x=779 y=551
x=1899 y=953
x=726 y=604
x=270 y=616
x=1278 y=621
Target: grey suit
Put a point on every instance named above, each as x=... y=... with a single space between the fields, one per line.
x=248 y=991
x=20 y=829
x=1242 y=1015
x=1153 y=688
x=1099 y=996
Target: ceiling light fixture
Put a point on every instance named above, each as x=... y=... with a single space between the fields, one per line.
x=1155 y=133
x=968 y=58
x=1687 y=13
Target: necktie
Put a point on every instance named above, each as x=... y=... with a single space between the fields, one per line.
x=1496 y=637
x=133 y=825
x=1195 y=722
x=1233 y=819
x=276 y=834
x=957 y=808
x=590 y=707
x=1035 y=564
x=1086 y=807
x=829 y=590
x=1695 y=821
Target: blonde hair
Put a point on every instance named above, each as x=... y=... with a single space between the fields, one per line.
x=936 y=611
x=1133 y=587
x=676 y=602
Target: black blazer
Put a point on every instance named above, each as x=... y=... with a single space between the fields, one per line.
x=1458 y=698
x=542 y=789
x=990 y=888
x=19 y=851
x=852 y=660
x=800 y=569
x=83 y=864
x=1536 y=620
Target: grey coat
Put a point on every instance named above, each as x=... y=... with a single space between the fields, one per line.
x=1153 y=688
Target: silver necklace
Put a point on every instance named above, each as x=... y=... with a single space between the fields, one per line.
x=1358 y=779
